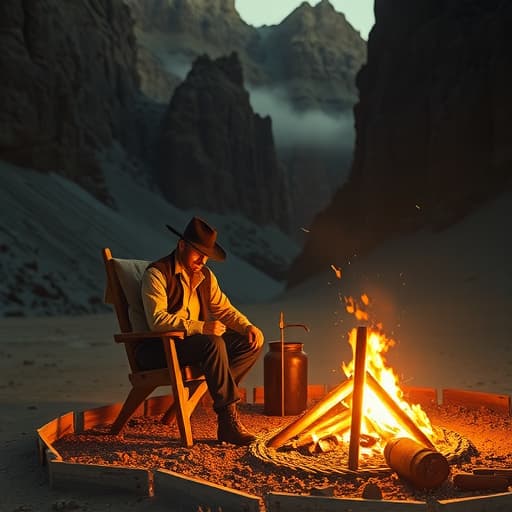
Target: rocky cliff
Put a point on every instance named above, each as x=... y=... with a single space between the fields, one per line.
x=433 y=138
x=68 y=85
x=215 y=153
x=300 y=72
x=314 y=53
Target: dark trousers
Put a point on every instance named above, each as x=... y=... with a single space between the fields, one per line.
x=224 y=360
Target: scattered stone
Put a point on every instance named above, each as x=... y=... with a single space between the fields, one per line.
x=372 y=491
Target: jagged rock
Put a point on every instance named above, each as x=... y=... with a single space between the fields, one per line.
x=311 y=57
x=316 y=54
x=68 y=85
x=175 y=32
x=433 y=138
x=215 y=153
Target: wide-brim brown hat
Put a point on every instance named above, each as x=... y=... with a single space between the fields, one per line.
x=202 y=237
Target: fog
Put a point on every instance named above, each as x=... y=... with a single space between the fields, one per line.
x=312 y=128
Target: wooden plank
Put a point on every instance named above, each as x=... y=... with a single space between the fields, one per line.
x=315 y=393
x=51 y=432
x=91 y=418
x=476 y=399
x=46 y=452
x=283 y=502
x=501 y=502
x=198 y=494
x=57 y=428
x=68 y=475
x=419 y=395
x=258 y=394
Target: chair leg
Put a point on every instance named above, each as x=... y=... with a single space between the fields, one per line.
x=136 y=396
x=199 y=389
x=183 y=413
x=182 y=404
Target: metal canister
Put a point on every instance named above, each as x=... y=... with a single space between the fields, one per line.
x=423 y=467
x=295 y=379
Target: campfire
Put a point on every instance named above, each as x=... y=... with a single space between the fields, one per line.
x=367 y=412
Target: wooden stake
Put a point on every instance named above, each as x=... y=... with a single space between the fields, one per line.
x=336 y=395
x=407 y=422
x=357 y=398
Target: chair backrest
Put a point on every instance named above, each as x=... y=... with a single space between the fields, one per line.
x=123 y=291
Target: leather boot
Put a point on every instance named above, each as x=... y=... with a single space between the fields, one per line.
x=230 y=429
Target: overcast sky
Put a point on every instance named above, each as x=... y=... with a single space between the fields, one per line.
x=359 y=13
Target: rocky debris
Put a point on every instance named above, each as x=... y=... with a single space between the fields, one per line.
x=433 y=139
x=69 y=85
x=215 y=153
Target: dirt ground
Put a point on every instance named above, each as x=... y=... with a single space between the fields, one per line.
x=147 y=443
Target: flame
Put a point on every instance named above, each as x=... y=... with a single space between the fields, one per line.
x=379 y=420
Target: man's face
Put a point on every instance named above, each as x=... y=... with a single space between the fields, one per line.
x=191 y=259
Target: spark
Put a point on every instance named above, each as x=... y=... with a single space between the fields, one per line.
x=337 y=271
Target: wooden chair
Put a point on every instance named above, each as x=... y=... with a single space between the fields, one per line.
x=188 y=383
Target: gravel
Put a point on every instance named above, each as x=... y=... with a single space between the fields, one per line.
x=147 y=443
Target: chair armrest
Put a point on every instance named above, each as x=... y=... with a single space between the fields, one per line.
x=130 y=337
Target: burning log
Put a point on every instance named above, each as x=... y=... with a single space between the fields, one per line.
x=409 y=424
x=328 y=444
x=423 y=467
x=337 y=424
x=357 y=398
x=335 y=396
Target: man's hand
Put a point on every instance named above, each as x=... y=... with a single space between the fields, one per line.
x=255 y=336
x=214 y=327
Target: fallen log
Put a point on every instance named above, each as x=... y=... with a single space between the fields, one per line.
x=472 y=482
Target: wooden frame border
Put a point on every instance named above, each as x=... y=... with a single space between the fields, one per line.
x=193 y=491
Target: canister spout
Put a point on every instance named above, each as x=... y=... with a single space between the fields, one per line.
x=304 y=326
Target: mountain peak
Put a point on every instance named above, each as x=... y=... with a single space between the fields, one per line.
x=310 y=18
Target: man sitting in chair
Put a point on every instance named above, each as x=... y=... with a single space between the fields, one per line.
x=180 y=292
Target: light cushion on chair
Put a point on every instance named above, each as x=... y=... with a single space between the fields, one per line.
x=130 y=274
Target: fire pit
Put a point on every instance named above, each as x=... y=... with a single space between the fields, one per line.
x=362 y=430
x=363 y=426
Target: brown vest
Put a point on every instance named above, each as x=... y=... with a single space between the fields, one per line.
x=175 y=289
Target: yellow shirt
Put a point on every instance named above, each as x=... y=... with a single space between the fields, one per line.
x=154 y=298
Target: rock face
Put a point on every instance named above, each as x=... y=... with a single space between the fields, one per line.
x=173 y=33
x=433 y=138
x=215 y=153
x=68 y=85
x=306 y=64
x=314 y=53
